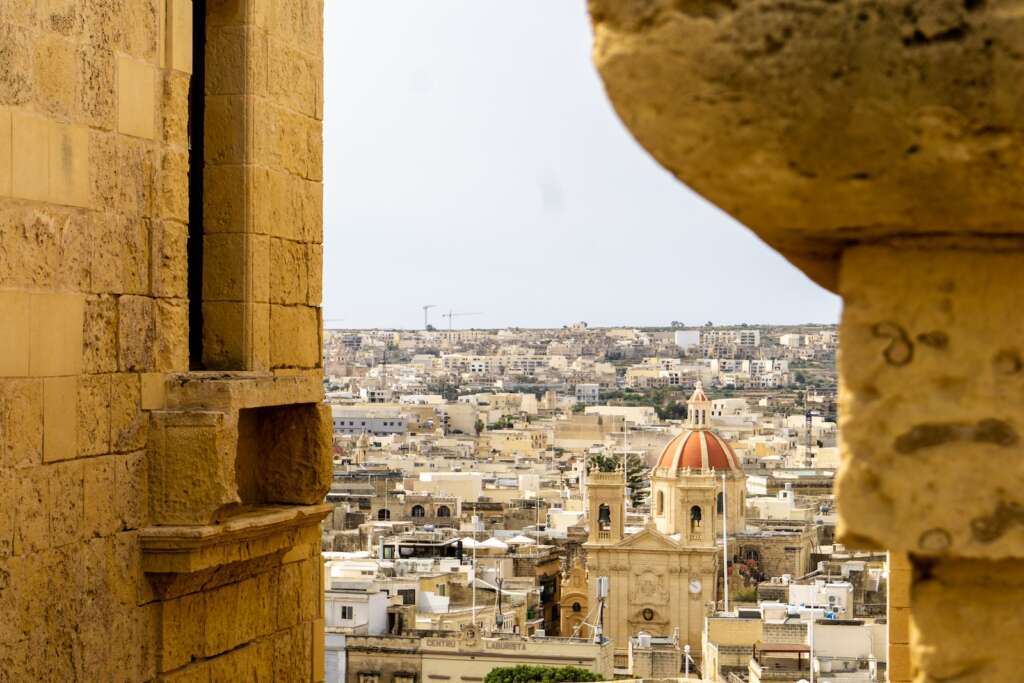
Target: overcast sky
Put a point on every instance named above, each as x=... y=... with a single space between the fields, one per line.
x=473 y=161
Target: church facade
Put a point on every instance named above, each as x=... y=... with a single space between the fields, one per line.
x=663 y=579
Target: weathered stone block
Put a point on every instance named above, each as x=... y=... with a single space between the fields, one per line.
x=136 y=97
x=284 y=454
x=292 y=78
x=16 y=81
x=182 y=625
x=103 y=21
x=175 y=106
x=99 y=496
x=5 y=152
x=93 y=414
x=60 y=418
x=67 y=502
x=172 y=335
x=226 y=60
x=259 y=595
x=128 y=423
x=134 y=247
x=21 y=422
x=32 y=516
x=288 y=272
x=29 y=238
x=293 y=654
x=169 y=260
x=225 y=267
x=315 y=273
x=260 y=267
x=99 y=326
x=223 y=337
x=289 y=595
x=15 y=308
x=142 y=20
x=131 y=490
x=261 y=336
x=54 y=74
x=174 y=185
x=136 y=335
x=222 y=630
x=224 y=198
x=254 y=662
x=30 y=157
x=97 y=87
x=191 y=468
x=294 y=336
x=154 y=393
x=56 y=338
x=179 y=35
x=69 y=165
x=930 y=384
x=74 y=251
x=224 y=132
x=318 y=640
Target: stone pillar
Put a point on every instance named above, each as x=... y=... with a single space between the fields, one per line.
x=876 y=145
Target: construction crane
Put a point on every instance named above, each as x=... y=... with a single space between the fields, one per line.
x=426 y=322
x=451 y=315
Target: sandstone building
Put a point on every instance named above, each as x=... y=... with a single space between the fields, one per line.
x=662 y=579
x=163 y=448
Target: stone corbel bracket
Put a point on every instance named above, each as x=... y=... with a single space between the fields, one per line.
x=239 y=464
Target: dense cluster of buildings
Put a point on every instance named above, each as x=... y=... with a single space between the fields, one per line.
x=496 y=525
x=387 y=363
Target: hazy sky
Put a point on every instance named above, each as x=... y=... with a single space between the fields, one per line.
x=473 y=161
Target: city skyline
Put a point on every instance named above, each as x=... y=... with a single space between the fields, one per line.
x=513 y=189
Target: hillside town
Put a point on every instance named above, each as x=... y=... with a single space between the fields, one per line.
x=641 y=503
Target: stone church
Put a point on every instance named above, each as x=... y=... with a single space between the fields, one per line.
x=663 y=578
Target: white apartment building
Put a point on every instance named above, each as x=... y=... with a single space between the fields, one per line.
x=354 y=606
x=365 y=420
x=588 y=394
x=741 y=337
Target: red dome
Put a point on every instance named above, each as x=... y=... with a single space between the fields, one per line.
x=699 y=449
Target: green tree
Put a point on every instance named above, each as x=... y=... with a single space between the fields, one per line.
x=478 y=426
x=526 y=673
x=636 y=472
x=578 y=408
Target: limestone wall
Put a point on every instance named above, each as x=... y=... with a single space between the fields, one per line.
x=140 y=537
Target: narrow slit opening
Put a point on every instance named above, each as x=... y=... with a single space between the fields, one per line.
x=196 y=161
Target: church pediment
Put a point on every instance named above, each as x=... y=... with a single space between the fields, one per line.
x=649 y=539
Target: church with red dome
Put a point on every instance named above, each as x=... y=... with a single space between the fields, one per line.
x=697 y=480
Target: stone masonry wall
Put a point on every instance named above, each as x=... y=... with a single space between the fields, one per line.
x=94 y=322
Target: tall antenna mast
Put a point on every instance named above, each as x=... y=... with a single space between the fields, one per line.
x=725 y=544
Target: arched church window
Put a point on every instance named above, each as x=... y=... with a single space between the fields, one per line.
x=661 y=503
x=695 y=516
x=576 y=607
x=721 y=503
x=604 y=517
x=417 y=511
x=444 y=511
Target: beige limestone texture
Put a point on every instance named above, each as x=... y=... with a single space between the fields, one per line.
x=95 y=367
x=136 y=94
